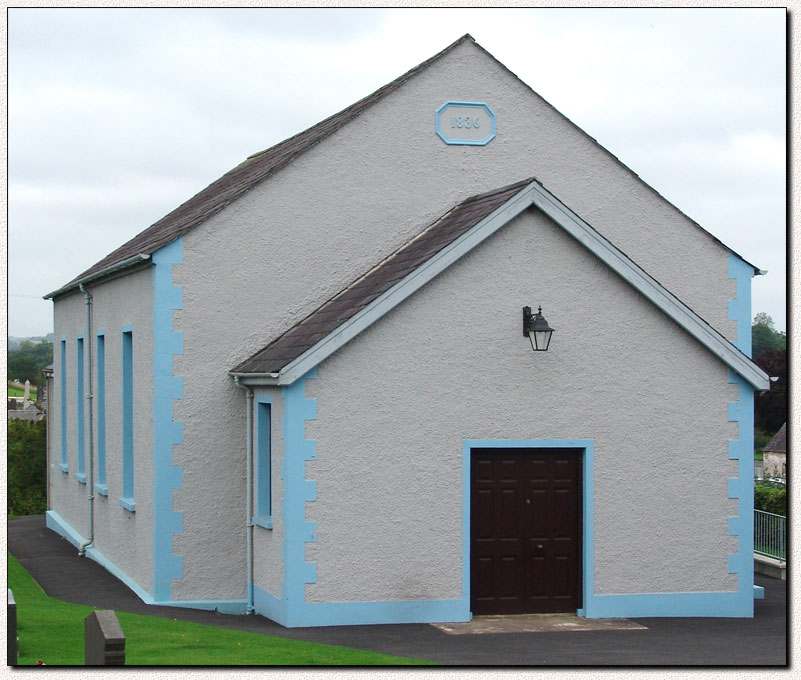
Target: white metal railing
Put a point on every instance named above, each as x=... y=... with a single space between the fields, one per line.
x=770 y=535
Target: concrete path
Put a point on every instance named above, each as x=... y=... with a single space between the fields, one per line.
x=54 y=563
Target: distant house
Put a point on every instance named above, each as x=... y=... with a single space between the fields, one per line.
x=31 y=412
x=774 y=455
x=316 y=394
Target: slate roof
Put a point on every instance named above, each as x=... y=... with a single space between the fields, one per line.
x=260 y=166
x=244 y=177
x=378 y=280
x=779 y=442
x=32 y=413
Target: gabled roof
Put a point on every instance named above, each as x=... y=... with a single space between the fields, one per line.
x=260 y=166
x=779 y=442
x=241 y=179
x=439 y=245
x=365 y=290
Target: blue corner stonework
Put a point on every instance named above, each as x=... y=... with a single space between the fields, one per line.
x=739 y=602
x=166 y=432
x=740 y=306
x=741 y=487
x=741 y=449
x=297 y=491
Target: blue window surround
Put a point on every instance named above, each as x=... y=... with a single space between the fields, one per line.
x=80 y=473
x=127 y=500
x=100 y=401
x=290 y=607
x=263 y=476
x=63 y=464
x=167 y=433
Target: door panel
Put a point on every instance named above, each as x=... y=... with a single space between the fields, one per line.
x=525 y=530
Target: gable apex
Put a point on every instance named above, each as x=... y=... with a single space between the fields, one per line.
x=447 y=239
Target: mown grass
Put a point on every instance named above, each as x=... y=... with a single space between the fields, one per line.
x=52 y=631
x=14 y=391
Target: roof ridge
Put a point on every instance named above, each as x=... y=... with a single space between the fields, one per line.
x=239 y=180
x=363 y=103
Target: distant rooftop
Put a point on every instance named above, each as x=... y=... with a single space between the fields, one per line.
x=779 y=442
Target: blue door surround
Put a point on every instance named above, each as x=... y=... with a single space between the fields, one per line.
x=586 y=448
x=737 y=603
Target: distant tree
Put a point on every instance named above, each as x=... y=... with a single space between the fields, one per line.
x=764 y=335
x=764 y=319
x=770 y=408
x=27 y=362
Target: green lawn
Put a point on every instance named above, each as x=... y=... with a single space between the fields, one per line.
x=20 y=392
x=52 y=631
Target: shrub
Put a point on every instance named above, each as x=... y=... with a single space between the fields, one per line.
x=27 y=467
x=770 y=499
x=761 y=440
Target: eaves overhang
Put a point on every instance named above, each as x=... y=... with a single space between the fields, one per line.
x=111 y=270
x=257 y=379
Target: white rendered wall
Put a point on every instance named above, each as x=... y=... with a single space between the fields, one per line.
x=451 y=363
x=122 y=537
x=289 y=244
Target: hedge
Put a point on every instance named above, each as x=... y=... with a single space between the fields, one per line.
x=770 y=499
x=27 y=467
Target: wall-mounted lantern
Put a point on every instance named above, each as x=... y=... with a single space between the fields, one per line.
x=536 y=329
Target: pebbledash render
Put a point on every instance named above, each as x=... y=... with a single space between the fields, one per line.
x=307 y=393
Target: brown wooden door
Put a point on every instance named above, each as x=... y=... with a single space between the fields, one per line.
x=525 y=530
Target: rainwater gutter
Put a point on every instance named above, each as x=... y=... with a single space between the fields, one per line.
x=90 y=481
x=111 y=269
x=249 y=494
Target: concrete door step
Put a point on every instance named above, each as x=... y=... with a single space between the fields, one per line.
x=534 y=623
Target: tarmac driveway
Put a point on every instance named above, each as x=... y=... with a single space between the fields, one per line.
x=54 y=563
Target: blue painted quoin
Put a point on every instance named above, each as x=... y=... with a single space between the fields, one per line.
x=166 y=432
x=291 y=609
x=741 y=449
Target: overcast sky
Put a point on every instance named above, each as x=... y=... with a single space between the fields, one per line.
x=116 y=116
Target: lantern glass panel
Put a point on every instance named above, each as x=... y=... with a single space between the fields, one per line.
x=541 y=339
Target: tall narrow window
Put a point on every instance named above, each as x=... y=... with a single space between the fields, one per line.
x=80 y=474
x=263 y=465
x=127 y=500
x=63 y=396
x=100 y=401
